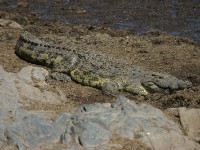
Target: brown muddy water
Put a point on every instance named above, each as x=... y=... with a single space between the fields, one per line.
x=177 y=17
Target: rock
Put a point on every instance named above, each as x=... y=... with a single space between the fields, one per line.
x=94 y=135
x=92 y=125
x=173 y=111
x=63 y=119
x=33 y=132
x=2 y=137
x=15 y=122
x=153 y=128
x=10 y=24
x=9 y=147
x=29 y=85
x=74 y=147
x=8 y=105
x=162 y=139
x=22 y=3
x=20 y=114
x=70 y=134
x=190 y=120
x=33 y=74
x=31 y=93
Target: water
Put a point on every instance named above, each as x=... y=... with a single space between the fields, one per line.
x=177 y=17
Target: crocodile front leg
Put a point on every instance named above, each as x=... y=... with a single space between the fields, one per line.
x=62 y=67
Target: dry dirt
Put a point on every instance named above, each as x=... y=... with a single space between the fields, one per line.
x=153 y=50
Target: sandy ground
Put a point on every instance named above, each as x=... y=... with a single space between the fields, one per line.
x=153 y=50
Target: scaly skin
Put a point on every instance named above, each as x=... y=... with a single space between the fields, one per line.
x=95 y=69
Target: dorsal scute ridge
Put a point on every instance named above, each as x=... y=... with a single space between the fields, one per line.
x=27 y=38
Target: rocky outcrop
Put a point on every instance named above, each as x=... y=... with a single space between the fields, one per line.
x=10 y=24
x=28 y=85
x=90 y=126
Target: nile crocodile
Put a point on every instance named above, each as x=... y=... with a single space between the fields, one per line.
x=95 y=69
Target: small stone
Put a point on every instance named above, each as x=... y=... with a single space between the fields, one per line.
x=31 y=73
x=10 y=23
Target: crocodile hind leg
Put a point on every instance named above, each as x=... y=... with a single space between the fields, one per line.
x=60 y=72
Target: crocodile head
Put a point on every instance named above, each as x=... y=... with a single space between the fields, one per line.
x=160 y=82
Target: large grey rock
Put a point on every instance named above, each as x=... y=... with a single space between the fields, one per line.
x=8 y=105
x=190 y=120
x=34 y=132
x=94 y=135
x=92 y=125
x=153 y=128
x=74 y=147
x=2 y=137
x=15 y=123
x=63 y=119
